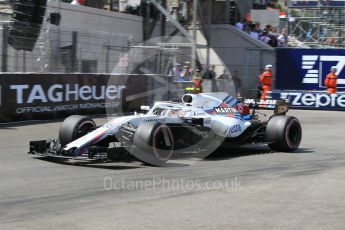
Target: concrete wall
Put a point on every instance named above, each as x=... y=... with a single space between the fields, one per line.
x=87 y=18
x=97 y=31
x=244 y=6
x=241 y=53
x=103 y=38
x=266 y=17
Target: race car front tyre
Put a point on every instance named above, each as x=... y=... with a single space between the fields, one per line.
x=73 y=127
x=284 y=133
x=154 y=143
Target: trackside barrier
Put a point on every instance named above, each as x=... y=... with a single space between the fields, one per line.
x=52 y=96
x=306 y=69
x=312 y=100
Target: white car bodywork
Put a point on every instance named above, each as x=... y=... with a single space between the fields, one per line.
x=217 y=110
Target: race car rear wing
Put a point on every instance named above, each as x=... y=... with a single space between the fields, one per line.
x=280 y=107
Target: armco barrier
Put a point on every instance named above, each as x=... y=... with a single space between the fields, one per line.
x=51 y=96
x=312 y=100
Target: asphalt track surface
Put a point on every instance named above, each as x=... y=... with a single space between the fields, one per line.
x=242 y=188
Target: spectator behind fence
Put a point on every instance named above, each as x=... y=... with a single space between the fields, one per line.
x=283 y=38
x=210 y=74
x=239 y=25
x=185 y=74
x=238 y=83
x=264 y=37
x=273 y=37
x=190 y=70
x=224 y=75
x=254 y=33
x=197 y=79
x=259 y=85
x=268 y=35
x=177 y=71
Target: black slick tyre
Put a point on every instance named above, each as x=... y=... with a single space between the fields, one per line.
x=73 y=127
x=154 y=143
x=284 y=133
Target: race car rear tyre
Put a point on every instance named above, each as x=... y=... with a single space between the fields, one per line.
x=73 y=127
x=154 y=143
x=285 y=133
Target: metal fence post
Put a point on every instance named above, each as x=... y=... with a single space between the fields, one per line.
x=4 y=48
x=74 y=50
x=24 y=61
x=227 y=11
x=107 y=47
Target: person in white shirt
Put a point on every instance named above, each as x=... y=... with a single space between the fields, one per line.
x=239 y=25
x=253 y=32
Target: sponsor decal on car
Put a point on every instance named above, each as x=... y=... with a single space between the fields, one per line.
x=235 y=129
x=207 y=122
x=154 y=119
x=223 y=110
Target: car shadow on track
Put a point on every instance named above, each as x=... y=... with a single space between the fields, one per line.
x=112 y=165
x=15 y=125
x=247 y=150
x=128 y=162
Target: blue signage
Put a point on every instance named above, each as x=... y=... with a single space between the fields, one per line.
x=306 y=69
x=312 y=100
x=315 y=3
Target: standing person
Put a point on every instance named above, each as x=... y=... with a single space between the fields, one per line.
x=210 y=74
x=197 y=79
x=237 y=82
x=331 y=81
x=266 y=81
x=264 y=37
x=224 y=75
x=239 y=25
x=253 y=32
x=177 y=71
x=283 y=38
x=259 y=86
x=185 y=74
x=190 y=70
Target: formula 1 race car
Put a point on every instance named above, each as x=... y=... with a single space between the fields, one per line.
x=198 y=125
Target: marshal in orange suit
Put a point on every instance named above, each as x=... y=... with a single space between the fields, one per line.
x=331 y=81
x=266 y=81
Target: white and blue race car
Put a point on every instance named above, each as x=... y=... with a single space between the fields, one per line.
x=195 y=127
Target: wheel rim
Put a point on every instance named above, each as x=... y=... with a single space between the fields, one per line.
x=83 y=128
x=163 y=143
x=294 y=135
